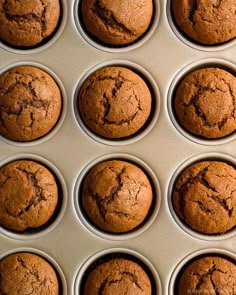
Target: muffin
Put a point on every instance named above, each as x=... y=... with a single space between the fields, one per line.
x=114 y=102
x=118 y=276
x=27 y=273
x=27 y=23
x=208 y=275
x=117 y=22
x=28 y=195
x=30 y=103
x=116 y=196
x=204 y=197
x=205 y=103
x=209 y=22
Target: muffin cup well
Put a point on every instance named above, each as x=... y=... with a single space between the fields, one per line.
x=190 y=42
x=48 y=258
x=199 y=64
x=155 y=108
x=152 y=212
x=47 y=42
x=36 y=233
x=61 y=119
x=173 y=281
x=93 y=41
x=106 y=255
x=201 y=157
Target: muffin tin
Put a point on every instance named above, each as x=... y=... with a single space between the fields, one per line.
x=161 y=58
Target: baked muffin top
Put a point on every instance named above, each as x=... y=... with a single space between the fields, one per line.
x=116 y=195
x=114 y=102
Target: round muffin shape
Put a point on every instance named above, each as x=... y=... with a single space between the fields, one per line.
x=207 y=21
x=28 y=195
x=204 y=197
x=205 y=103
x=117 y=22
x=114 y=102
x=30 y=103
x=208 y=275
x=118 y=276
x=116 y=195
x=27 y=273
x=26 y=23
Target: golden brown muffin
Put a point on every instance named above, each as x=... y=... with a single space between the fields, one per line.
x=209 y=22
x=118 y=276
x=209 y=275
x=205 y=103
x=28 y=195
x=114 y=102
x=117 y=22
x=204 y=197
x=30 y=103
x=27 y=273
x=117 y=196
x=27 y=23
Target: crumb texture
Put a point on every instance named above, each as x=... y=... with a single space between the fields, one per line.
x=206 y=21
x=114 y=102
x=118 y=276
x=117 y=196
x=209 y=275
x=204 y=197
x=205 y=103
x=117 y=22
x=30 y=103
x=28 y=22
x=28 y=195
x=27 y=274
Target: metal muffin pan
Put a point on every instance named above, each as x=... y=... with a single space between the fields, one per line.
x=163 y=148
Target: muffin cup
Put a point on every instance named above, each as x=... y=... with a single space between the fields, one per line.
x=190 y=42
x=152 y=212
x=178 y=171
x=105 y=255
x=61 y=119
x=93 y=41
x=155 y=108
x=45 y=44
x=199 y=64
x=48 y=258
x=36 y=233
x=193 y=256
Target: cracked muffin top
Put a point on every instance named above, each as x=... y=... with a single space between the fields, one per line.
x=28 y=195
x=30 y=103
x=114 y=102
x=116 y=195
x=204 y=197
x=205 y=103
x=27 y=273
x=209 y=22
x=117 y=22
x=208 y=275
x=26 y=23
x=118 y=276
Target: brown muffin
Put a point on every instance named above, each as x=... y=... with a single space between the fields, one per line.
x=30 y=103
x=117 y=22
x=116 y=195
x=114 y=102
x=27 y=273
x=205 y=103
x=204 y=197
x=27 y=23
x=208 y=275
x=118 y=276
x=207 y=21
x=28 y=195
